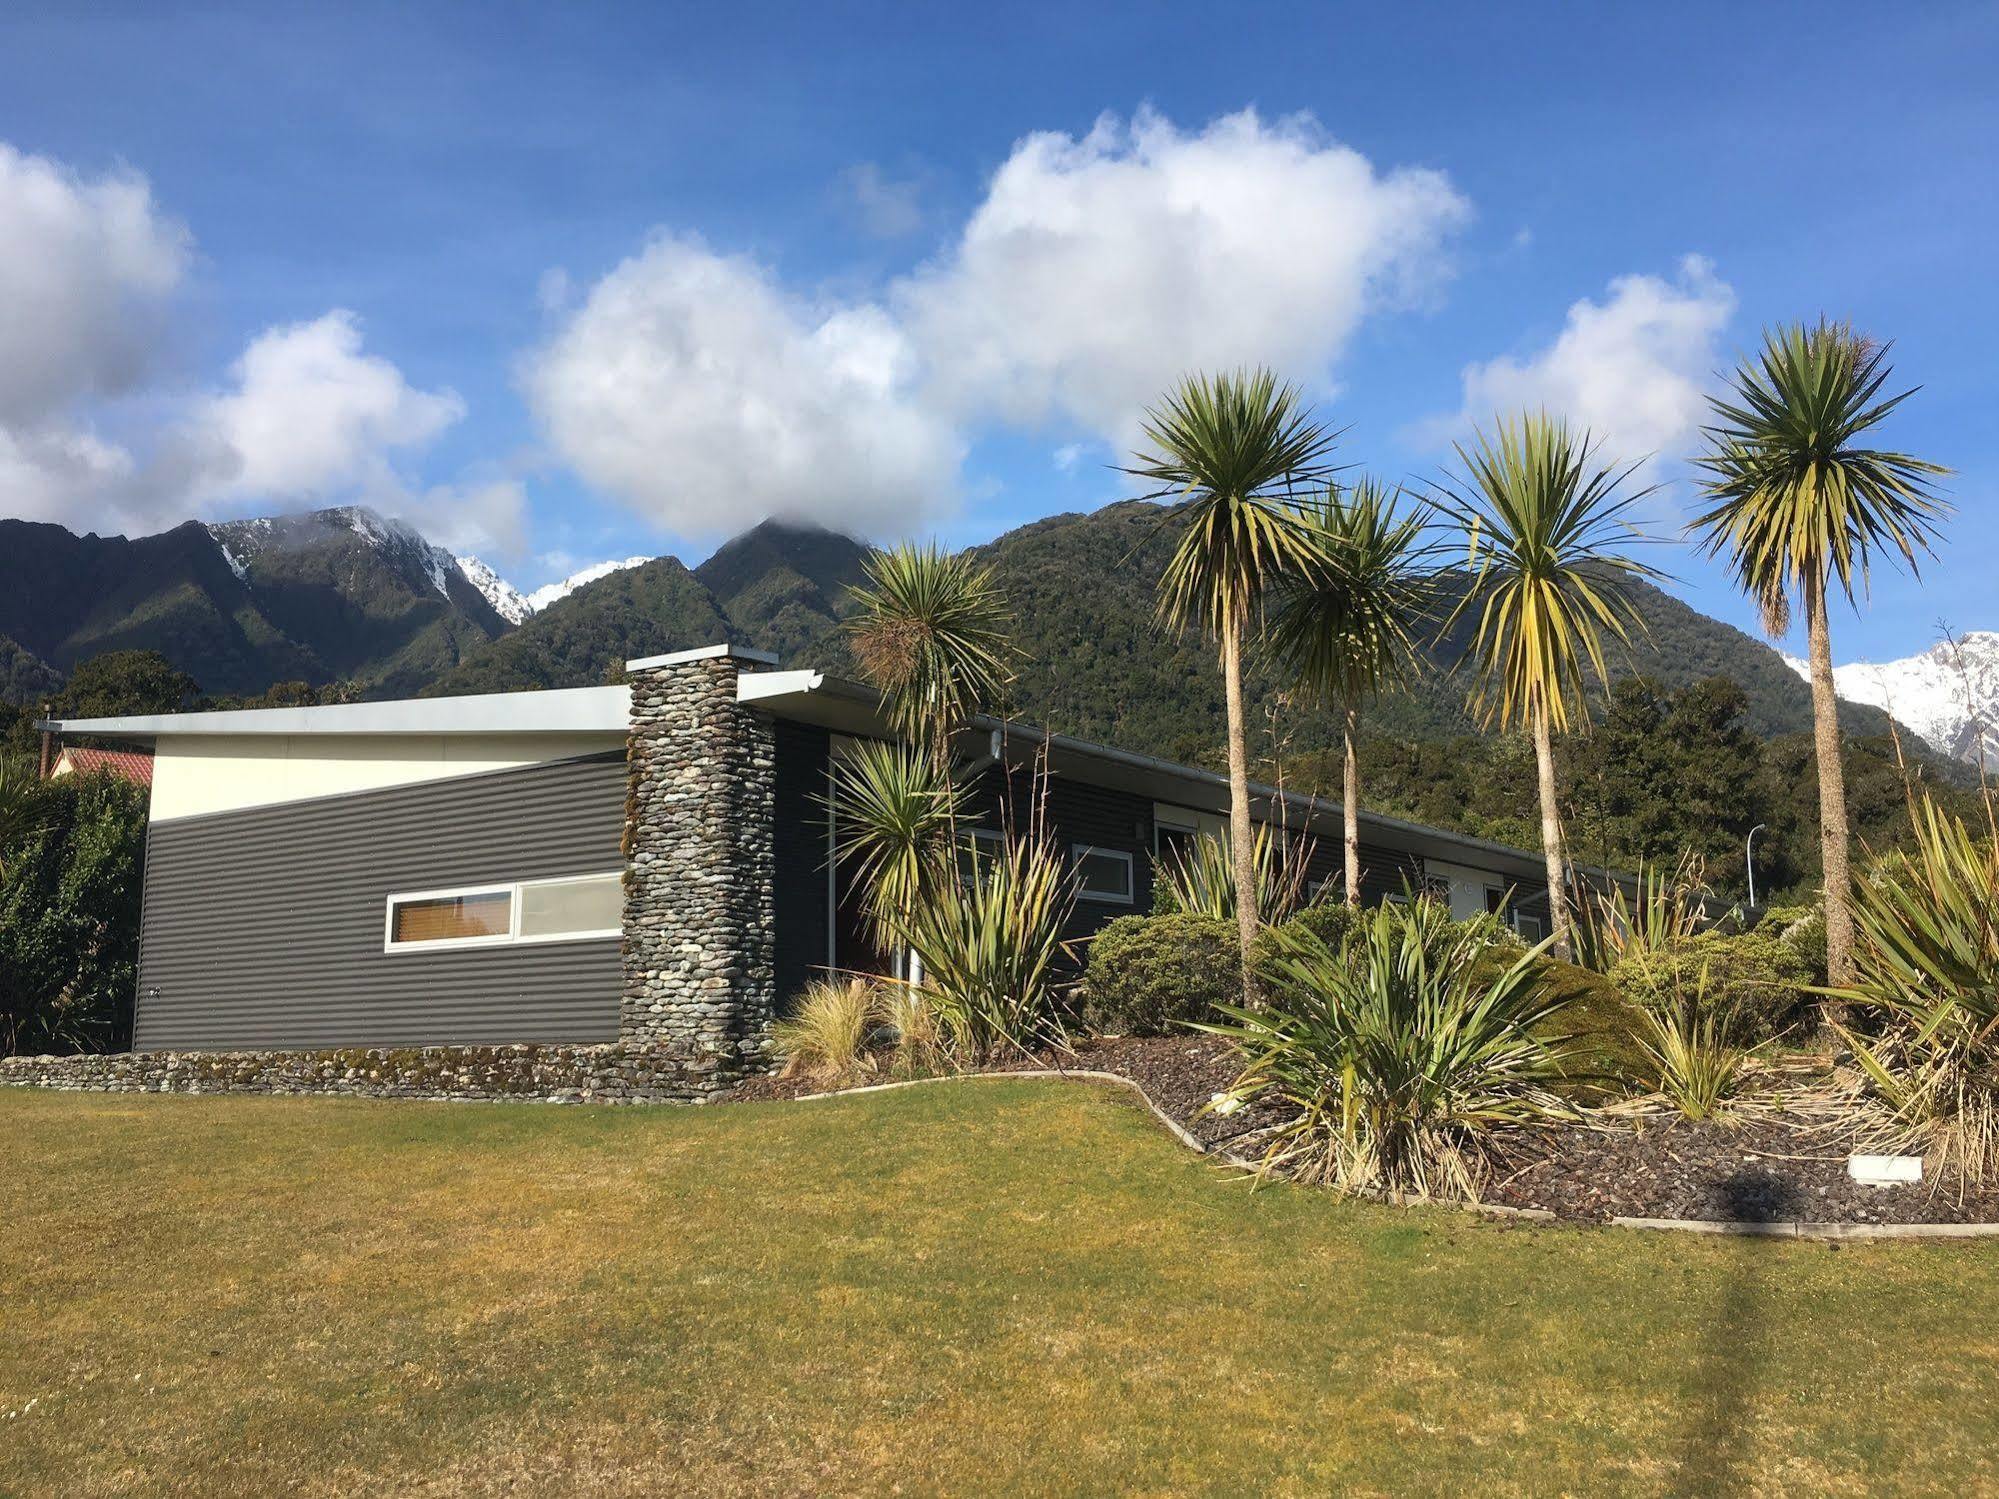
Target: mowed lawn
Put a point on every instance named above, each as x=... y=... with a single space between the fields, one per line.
x=986 y=1287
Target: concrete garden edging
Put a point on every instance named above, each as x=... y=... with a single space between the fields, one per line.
x=1731 y=1227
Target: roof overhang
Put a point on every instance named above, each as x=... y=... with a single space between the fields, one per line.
x=569 y=710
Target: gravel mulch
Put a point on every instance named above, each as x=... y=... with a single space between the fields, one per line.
x=1766 y=1167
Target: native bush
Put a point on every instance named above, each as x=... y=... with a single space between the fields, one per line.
x=1147 y=975
x=69 y=916
x=1802 y=929
x=1758 y=980
x=1400 y=1056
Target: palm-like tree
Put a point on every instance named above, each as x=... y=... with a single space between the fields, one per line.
x=1347 y=625
x=1797 y=504
x=1234 y=447
x=931 y=633
x=897 y=814
x=1544 y=519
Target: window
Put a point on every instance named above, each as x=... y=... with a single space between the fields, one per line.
x=1529 y=928
x=1437 y=887
x=975 y=848
x=1171 y=840
x=564 y=910
x=572 y=908
x=1102 y=874
x=475 y=916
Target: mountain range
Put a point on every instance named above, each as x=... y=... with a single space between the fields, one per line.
x=345 y=595
x=1949 y=694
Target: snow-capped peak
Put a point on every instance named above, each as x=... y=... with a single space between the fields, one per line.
x=542 y=597
x=508 y=602
x=1949 y=694
x=514 y=606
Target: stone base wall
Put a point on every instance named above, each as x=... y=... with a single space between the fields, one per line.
x=545 y=1074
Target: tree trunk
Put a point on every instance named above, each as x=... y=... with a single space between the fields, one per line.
x=1832 y=790
x=1242 y=845
x=1551 y=836
x=1351 y=807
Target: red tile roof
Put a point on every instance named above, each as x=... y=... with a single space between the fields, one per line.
x=135 y=766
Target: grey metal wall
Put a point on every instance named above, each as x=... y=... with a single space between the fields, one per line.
x=263 y=928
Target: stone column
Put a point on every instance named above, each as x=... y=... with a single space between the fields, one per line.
x=699 y=927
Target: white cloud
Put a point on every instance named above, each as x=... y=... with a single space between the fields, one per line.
x=311 y=416
x=1099 y=270
x=1633 y=368
x=884 y=206
x=86 y=270
x=692 y=387
x=1095 y=273
x=487 y=516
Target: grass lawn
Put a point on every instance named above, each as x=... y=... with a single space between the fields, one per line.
x=993 y=1287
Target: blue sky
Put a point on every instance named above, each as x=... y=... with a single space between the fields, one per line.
x=564 y=283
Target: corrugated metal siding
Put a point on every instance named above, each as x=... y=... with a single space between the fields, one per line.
x=263 y=928
x=799 y=887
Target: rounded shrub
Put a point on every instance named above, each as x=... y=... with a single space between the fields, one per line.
x=1756 y=979
x=1146 y=975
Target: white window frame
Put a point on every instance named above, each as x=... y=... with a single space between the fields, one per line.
x=1080 y=851
x=511 y=937
x=1540 y=928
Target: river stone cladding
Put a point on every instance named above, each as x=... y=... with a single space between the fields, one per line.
x=699 y=924
x=554 y=1074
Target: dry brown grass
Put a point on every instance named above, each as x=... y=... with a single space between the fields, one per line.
x=990 y=1287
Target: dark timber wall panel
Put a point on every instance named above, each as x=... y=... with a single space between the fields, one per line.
x=1080 y=813
x=263 y=928
x=799 y=885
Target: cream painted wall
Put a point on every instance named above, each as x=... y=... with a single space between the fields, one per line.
x=1468 y=886
x=194 y=775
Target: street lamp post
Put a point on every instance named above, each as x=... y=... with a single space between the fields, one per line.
x=1749 y=861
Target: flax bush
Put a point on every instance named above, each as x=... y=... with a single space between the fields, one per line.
x=988 y=949
x=1399 y=1056
x=1926 y=953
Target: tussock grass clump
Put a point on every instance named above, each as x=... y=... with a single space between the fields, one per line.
x=826 y=1036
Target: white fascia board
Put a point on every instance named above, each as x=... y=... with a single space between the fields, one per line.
x=753 y=687
x=565 y=710
x=703 y=653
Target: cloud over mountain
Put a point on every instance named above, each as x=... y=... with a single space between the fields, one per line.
x=1095 y=271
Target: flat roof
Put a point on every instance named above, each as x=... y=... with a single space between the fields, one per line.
x=562 y=710
x=801 y=694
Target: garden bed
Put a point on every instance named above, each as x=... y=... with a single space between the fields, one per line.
x=1762 y=1169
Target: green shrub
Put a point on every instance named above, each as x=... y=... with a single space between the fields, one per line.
x=1605 y=1030
x=1147 y=974
x=1755 y=977
x=1399 y=1056
x=69 y=916
x=1331 y=921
